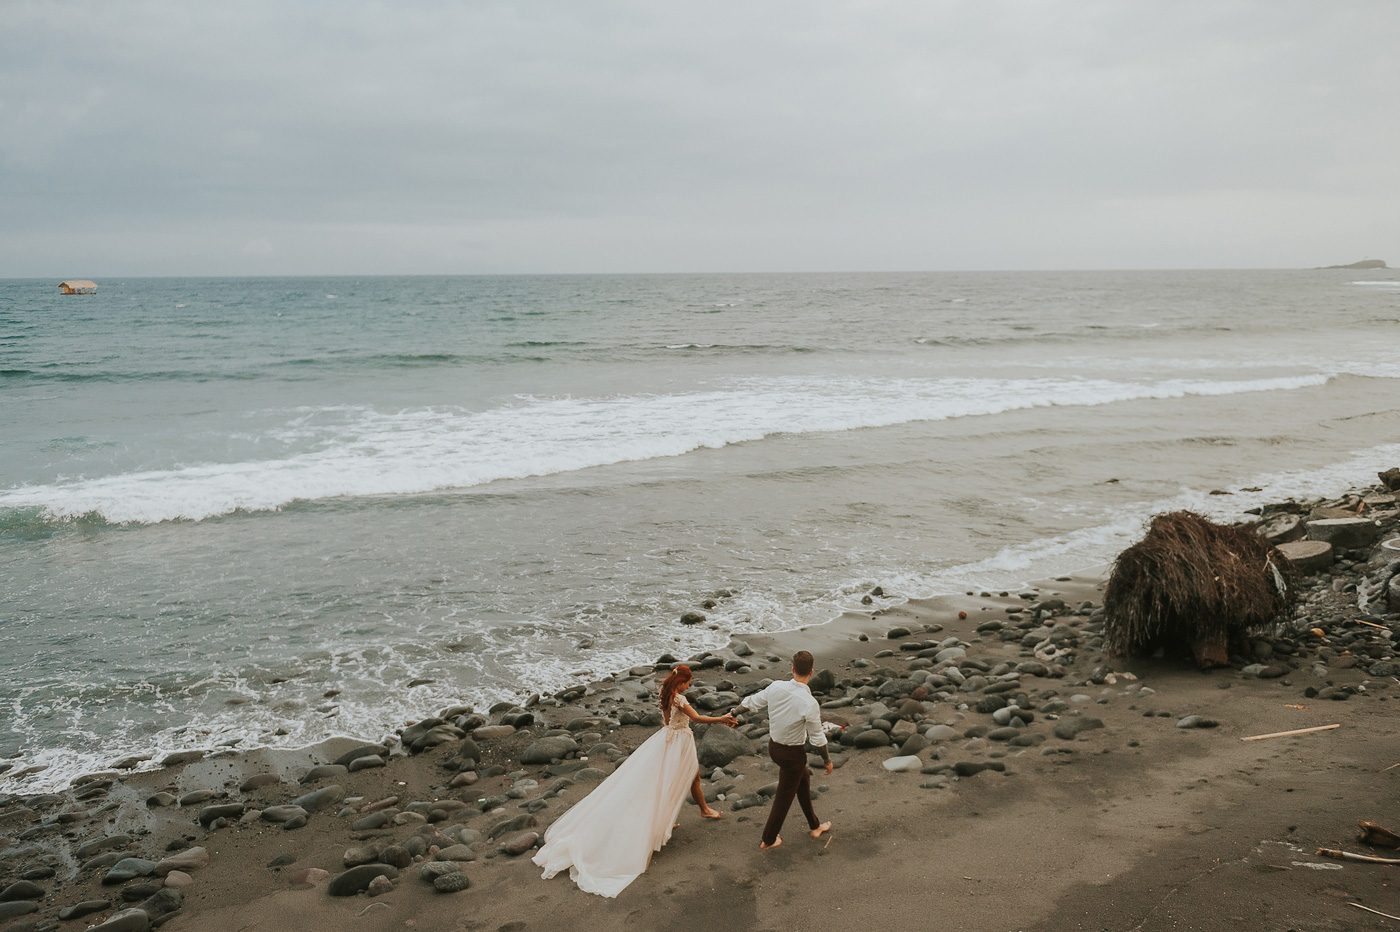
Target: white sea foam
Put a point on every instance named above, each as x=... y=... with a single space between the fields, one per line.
x=376 y=453
x=1379 y=362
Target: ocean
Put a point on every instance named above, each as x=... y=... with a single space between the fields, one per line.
x=265 y=512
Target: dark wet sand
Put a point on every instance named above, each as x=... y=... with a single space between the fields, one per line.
x=1140 y=826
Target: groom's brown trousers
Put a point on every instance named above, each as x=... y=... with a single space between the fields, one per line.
x=794 y=779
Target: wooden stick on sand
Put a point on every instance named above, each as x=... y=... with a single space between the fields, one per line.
x=1296 y=731
x=1348 y=856
x=1376 y=911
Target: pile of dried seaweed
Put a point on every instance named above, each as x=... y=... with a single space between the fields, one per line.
x=1192 y=583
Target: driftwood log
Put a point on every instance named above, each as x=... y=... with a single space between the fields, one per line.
x=1378 y=836
x=1292 y=733
x=1349 y=856
x=1193 y=584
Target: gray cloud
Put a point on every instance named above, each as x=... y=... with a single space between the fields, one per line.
x=170 y=138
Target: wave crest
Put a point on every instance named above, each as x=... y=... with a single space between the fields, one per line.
x=362 y=452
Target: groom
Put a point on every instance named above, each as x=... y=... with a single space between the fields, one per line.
x=794 y=721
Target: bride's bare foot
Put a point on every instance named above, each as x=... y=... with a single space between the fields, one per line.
x=776 y=842
x=821 y=830
x=711 y=814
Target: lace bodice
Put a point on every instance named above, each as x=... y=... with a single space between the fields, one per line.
x=679 y=721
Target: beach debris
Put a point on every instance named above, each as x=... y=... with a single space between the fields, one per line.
x=1295 y=731
x=1379 y=836
x=1346 y=533
x=1281 y=528
x=1352 y=856
x=1308 y=556
x=1192 y=583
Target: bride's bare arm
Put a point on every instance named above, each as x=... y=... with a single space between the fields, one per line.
x=694 y=716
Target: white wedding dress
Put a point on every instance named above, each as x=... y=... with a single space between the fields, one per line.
x=607 y=839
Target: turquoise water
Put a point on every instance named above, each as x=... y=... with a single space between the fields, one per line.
x=222 y=500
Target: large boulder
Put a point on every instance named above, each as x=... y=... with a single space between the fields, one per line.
x=872 y=738
x=1307 y=556
x=1070 y=728
x=545 y=750
x=442 y=734
x=361 y=751
x=518 y=844
x=209 y=814
x=1344 y=533
x=22 y=890
x=129 y=869
x=713 y=702
x=126 y=920
x=162 y=903
x=1281 y=528
x=188 y=860
x=319 y=799
x=358 y=878
x=721 y=745
x=413 y=732
x=13 y=908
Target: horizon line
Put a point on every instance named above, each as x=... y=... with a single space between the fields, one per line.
x=997 y=271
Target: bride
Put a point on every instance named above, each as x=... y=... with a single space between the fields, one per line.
x=607 y=840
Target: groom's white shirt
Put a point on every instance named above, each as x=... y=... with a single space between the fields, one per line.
x=794 y=718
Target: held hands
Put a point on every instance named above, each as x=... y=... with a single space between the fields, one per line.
x=728 y=719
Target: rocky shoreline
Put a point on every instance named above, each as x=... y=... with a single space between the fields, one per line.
x=932 y=700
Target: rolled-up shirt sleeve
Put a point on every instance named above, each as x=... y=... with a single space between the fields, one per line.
x=815 y=736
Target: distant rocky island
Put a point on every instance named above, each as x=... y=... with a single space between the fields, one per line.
x=1363 y=264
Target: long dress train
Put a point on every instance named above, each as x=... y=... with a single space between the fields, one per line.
x=607 y=840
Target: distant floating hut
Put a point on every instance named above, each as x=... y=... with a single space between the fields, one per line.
x=77 y=286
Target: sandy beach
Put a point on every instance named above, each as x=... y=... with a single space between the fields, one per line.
x=399 y=406
x=1122 y=797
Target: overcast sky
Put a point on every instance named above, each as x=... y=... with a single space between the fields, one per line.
x=145 y=137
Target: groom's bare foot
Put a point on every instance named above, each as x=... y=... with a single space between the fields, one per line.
x=776 y=842
x=711 y=814
x=821 y=830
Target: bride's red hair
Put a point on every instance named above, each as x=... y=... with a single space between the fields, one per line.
x=679 y=677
